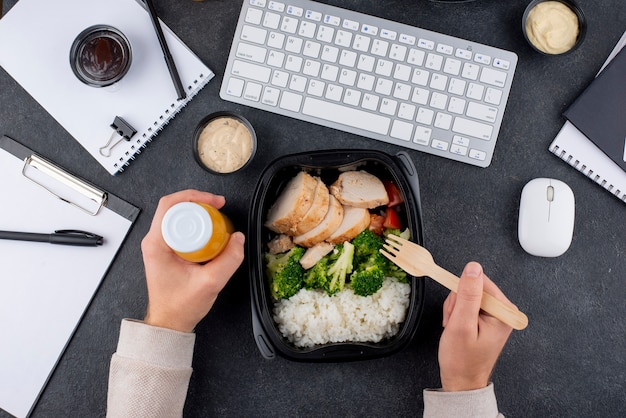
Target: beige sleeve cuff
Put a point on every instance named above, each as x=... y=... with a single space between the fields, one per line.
x=159 y=346
x=150 y=372
x=471 y=403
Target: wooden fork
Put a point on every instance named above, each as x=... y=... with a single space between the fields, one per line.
x=417 y=261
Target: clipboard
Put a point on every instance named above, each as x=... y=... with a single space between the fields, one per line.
x=45 y=289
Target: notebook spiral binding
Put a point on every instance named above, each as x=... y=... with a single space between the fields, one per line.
x=146 y=137
x=569 y=159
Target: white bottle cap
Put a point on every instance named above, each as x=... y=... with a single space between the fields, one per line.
x=187 y=227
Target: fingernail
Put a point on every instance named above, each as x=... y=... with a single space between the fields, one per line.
x=473 y=270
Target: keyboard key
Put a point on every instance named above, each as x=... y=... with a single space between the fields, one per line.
x=439 y=144
x=425 y=44
x=270 y=96
x=470 y=71
x=271 y=20
x=253 y=34
x=275 y=59
x=422 y=135
x=343 y=38
x=280 y=78
x=366 y=82
x=458 y=150
x=251 y=71
x=379 y=48
x=334 y=92
x=277 y=6
x=307 y=29
x=251 y=52
x=482 y=59
x=253 y=92
x=443 y=121
x=313 y=15
x=293 y=44
x=407 y=39
x=350 y=25
x=463 y=53
x=388 y=107
x=401 y=130
x=325 y=34
x=370 y=101
x=312 y=49
x=445 y=49
x=366 y=63
x=472 y=128
x=493 y=77
x=477 y=155
x=424 y=116
x=297 y=83
x=372 y=30
x=346 y=116
x=290 y=101
x=235 y=87
x=502 y=64
x=352 y=97
x=434 y=61
x=493 y=96
x=420 y=77
x=295 y=11
x=289 y=24
x=347 y=58
x=254 y=16
x=311 y=68
x=482 y=112
x=361 y=43
x=316 y=88
x=276 y=40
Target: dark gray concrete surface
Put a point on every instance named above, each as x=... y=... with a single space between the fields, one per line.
x=568 y=362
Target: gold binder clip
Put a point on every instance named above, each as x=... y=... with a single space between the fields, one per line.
x=68 y=187
x=123 y=130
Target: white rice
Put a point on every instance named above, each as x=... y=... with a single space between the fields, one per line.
x=311 y=317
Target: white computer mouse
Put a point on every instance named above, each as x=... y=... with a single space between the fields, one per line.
x=546 y=217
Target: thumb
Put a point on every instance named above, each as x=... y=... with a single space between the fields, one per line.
x=469 y=296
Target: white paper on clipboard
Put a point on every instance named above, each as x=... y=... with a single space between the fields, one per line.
x=45 y=288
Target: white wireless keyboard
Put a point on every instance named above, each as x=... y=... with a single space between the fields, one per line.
x=369 y=76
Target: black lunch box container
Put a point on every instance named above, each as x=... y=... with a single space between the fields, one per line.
x=328 y=164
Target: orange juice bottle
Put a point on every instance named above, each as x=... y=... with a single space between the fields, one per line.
x=196 y=232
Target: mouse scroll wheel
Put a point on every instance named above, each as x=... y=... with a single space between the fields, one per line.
x=550 y=193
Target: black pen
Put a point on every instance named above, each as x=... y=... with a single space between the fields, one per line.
x=63 y=237
x=171 y=66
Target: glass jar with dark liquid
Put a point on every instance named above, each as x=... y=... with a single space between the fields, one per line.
x=100 y=56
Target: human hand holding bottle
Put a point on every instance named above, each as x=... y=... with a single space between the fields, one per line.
x=181 y=293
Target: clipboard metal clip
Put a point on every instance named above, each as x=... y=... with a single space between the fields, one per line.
x=74 y=191
x=122 y=129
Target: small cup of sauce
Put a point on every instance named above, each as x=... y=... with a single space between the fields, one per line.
x=224 y=142
x=100 y=56
x=554 y=27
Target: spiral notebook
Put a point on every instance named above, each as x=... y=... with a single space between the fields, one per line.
x=35 y=41
x=573 y=147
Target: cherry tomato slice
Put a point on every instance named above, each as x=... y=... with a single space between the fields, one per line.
x=392 y=220
x=395 y=197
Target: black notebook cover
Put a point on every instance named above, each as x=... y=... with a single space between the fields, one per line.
x=600 y=111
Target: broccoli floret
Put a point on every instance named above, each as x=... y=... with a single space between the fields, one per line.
x=368 y=276
x=366 y=244
x=340 y=265
x=317 y=276
x=285 y=272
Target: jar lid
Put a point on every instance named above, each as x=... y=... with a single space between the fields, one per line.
x=187 y=227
